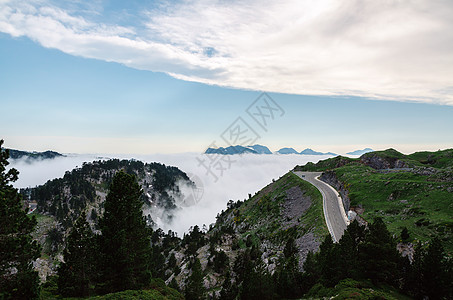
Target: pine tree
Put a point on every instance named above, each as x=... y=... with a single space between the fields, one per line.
x=378 y=254
x=324 y=259
x=405 y=234
x=258 y=283
x=125 y=242
x=18 y=280
x=229 y=290
x=343 y=259
x=413 y=276
x=312 y=271
x=433 y=272
x=194 y=287
x=221 y=262
x=77 y=273
x=288 y=277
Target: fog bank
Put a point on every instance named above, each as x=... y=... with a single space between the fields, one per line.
x=243 y=174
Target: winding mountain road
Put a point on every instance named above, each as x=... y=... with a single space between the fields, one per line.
x=334 y=212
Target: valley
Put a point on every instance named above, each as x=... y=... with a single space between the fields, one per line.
x=282 y=228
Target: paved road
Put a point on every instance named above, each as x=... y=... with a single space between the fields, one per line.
x=334 y=213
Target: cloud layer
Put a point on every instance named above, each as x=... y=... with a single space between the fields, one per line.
x=397 y=50
x=247 y=174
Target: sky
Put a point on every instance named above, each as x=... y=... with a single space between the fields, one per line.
x=141 y=77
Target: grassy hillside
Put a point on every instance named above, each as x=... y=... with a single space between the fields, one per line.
x=267 y=204
x=413 y=191
x=288 y=208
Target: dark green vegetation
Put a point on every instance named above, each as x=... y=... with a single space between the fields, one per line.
x=125 y=241
x=408 y=191
x=76 y=273
x=18 y=280
x=116 y=260
x=18 y=154
x=86 y=187
x=61 y=201
x=366 y=265
x=251 y=252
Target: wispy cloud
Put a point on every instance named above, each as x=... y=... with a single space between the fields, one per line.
x=397 y=50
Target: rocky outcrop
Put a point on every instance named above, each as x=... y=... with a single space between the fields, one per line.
x=295 y=205
x=379 y=162
x=406 y=250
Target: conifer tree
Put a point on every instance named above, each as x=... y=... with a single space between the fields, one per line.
x=257 y=283
x=312 y=271
x=18 y=280
x=78 y=272
x=125 y=242
x=413 y=276
x=378 y=254
x=324 y=259
x=433 y=271
x=194 y=286
x=229 y=290
x=288 y=277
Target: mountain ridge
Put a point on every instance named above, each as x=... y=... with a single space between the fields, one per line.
x=260 y=149
x=33 y=155
x=360 y=152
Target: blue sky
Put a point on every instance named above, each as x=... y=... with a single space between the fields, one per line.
x=147 y=77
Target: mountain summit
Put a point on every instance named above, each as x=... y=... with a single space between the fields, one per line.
x=360 y=152
x=287 y=151
x=309 y=151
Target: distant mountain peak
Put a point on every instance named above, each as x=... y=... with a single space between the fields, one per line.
x=260 y=149
x=309 y=151
x=360 y=152
x=18 y=154
x=287 y=151
x=231 y=150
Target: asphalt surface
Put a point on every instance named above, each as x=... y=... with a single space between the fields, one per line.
x=334 y=213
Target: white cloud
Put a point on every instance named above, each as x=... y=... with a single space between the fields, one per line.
x=398 y=50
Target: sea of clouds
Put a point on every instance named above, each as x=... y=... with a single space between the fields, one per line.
x=244 y=174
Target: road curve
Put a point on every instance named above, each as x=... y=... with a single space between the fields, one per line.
x=334 y=212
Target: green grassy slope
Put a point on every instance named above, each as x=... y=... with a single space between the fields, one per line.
x=267 y=205
x=419 y=197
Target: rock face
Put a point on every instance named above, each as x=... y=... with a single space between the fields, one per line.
x=295 y=205
x=406 y=249
x=379 y=163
